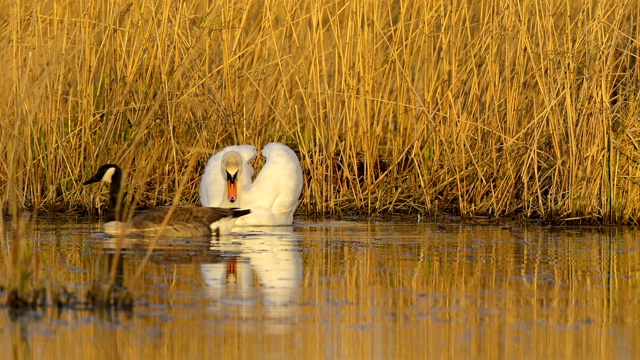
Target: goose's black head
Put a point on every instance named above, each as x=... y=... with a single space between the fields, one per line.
x=111 y=174
x=107 y=173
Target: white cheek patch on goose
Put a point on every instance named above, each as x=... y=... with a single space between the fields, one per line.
x=108 y=175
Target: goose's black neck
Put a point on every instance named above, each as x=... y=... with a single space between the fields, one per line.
x=113 y=211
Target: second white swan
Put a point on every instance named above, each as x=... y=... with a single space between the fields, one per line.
x=272 y=197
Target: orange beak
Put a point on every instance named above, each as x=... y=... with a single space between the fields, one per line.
x=232 y=191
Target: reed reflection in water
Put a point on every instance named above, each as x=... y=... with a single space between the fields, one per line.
x=344 y=290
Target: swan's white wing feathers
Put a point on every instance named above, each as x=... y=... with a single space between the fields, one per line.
x=274 y=194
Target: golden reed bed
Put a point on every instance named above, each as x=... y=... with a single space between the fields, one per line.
x=475 y=108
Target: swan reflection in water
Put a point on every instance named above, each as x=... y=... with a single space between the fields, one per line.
x=256 y=273
x=264 y=264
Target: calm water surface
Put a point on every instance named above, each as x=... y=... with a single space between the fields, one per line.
x=339 y=290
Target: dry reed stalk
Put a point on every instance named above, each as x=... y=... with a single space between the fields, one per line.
x=481 y=108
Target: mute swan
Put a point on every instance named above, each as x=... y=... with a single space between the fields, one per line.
x=184 y=221
x=272 y=197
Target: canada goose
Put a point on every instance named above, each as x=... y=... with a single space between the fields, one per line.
x=272 y=197
x=183 y=220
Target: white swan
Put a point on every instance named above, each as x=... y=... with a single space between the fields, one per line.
x=272 y=197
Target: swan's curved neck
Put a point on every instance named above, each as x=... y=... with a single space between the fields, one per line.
x=113 y=211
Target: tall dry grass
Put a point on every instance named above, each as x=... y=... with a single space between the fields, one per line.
x=500 y=108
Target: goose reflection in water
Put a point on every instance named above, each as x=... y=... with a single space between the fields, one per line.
x=264 y=265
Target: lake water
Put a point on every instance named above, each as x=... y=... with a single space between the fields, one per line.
x=337 y=290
